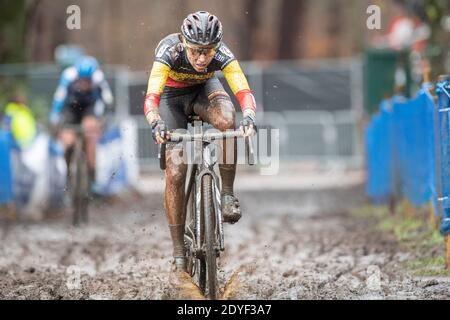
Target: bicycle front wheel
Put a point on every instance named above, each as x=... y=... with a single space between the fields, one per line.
x=210 y=237
x=80 y=186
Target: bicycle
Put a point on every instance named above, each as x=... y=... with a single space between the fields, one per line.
x=204 y=234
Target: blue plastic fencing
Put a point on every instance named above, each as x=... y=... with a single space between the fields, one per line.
x=379 y=164
x=401 y=151
x=416 y=149
x=442 y=120
x=111 y=163
x=6 y=193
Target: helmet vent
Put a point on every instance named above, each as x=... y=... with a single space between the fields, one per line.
x=202 y=28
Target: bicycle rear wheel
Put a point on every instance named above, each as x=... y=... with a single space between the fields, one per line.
x=210 y=237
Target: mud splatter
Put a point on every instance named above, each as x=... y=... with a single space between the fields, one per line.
x=306 y=247
x=231 y=289
x=184 y=287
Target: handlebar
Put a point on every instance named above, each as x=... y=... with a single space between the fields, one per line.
x=206 y=137
x=210 y=136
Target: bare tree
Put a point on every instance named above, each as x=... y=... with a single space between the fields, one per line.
x=292 y=17
x=14 y=17
x=334 y=16
x=250 y=27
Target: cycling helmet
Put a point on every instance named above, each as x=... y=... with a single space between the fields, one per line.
x=202 y=28
x=67 y=55
x=86 y=66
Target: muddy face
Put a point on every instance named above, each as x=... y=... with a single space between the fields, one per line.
x=199 y=57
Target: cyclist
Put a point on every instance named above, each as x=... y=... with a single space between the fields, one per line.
x=181 y=83
x=81 y=98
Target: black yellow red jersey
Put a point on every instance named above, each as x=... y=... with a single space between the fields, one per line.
x=171 y=52
x=172 y=68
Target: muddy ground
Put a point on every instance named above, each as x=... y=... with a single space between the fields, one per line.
x=288 y=245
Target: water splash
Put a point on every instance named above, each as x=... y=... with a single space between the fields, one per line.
x=231 y=287
x=185 y=287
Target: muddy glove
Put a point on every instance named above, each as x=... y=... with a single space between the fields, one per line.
x=159 y=131
x=248 y=125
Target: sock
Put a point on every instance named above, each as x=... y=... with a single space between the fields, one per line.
x=177 y=234
x=227 y=169
x=227 y=173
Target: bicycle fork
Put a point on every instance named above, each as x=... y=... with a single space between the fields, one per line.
x=207 y=168
x=217 y=207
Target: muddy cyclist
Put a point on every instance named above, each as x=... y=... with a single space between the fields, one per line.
x=182 y=83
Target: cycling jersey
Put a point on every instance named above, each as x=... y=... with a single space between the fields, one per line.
x=80 y=93
x=172 y=69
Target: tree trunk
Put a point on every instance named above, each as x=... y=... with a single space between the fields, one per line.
x=250 y=28
x=292 y=17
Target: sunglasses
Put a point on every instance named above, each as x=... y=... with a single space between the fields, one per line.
x=197 y=51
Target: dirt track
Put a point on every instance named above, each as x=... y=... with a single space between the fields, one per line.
x=289 y=245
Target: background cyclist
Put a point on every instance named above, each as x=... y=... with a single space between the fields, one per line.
x=81 y=98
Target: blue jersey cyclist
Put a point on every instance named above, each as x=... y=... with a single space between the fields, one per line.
x=81 y=99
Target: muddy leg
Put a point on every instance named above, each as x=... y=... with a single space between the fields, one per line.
x=221 y=115
x=174 y=198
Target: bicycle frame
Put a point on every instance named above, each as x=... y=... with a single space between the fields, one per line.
x=204 y=231
x=196 y=175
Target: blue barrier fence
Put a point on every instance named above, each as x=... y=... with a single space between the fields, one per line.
x=442 y=120
x=6 y=193
x=408 y=152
